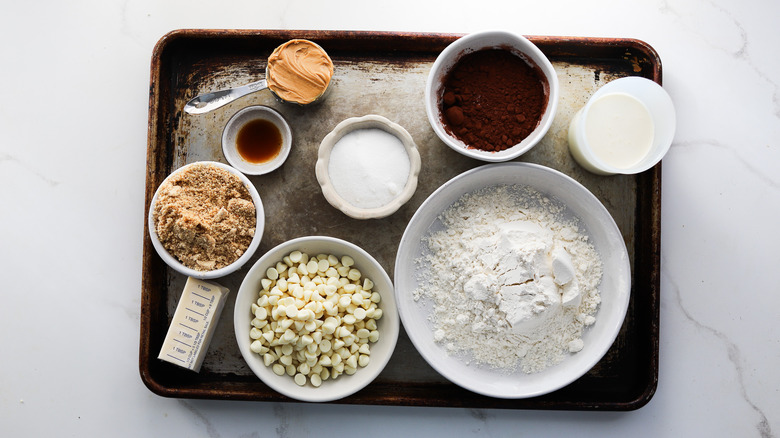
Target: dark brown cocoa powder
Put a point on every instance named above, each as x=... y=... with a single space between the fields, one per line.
x=493 y=99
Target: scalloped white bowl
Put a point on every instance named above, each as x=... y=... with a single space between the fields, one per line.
x=323 y=161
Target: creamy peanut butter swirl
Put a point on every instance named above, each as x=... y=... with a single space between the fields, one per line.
x=299 y=71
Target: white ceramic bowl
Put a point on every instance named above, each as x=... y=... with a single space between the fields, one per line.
x=239 y=120
x=658 y=104
x=388 y=325
x=487 y=40
x=175 y=263
x=323 y=161
x=615 y=287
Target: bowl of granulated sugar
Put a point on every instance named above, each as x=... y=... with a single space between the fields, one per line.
x=367 y=167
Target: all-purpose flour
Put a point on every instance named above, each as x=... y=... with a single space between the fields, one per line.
x=512 y=281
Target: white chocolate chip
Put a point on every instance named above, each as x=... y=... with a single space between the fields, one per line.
x=315 y=318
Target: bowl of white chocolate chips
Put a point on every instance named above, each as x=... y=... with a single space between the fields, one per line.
x=315 y=318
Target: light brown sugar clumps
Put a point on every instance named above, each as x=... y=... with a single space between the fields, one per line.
x=205 y=217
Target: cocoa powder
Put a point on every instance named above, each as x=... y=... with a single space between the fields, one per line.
x=493 y=99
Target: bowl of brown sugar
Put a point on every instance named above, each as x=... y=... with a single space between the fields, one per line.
x=491 y=95
x=206 y=220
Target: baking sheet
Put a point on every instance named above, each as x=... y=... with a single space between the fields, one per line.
x=383 y=73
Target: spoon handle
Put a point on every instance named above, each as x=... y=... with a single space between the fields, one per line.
x=215 y=99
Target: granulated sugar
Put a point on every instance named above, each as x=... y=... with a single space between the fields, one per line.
x=513 y=282
x=369 y=167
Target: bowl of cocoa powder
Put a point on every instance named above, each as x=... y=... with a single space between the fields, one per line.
x=206 y=220
x=491 y=95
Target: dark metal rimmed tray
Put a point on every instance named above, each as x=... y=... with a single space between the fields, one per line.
x=384 y=73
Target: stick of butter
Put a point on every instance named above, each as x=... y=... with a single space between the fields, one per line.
x=193 y=324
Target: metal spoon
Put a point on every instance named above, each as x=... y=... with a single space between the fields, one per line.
x=215 y=99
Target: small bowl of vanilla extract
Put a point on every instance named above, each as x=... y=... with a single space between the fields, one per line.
x=256 y=140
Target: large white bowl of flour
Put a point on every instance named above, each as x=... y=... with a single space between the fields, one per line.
x=497 y=330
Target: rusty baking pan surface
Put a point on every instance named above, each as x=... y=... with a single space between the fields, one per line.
x=383 y=73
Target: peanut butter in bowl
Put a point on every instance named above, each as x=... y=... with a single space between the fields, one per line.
x=299 y=71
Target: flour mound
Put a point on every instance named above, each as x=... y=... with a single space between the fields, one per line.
x=513 y=282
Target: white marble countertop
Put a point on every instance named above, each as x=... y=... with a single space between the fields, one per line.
x=75 y=79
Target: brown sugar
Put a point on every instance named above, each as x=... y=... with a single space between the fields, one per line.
x=205 y=217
